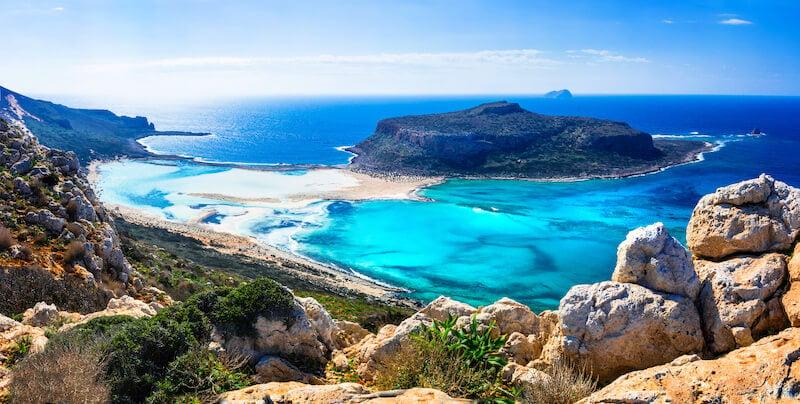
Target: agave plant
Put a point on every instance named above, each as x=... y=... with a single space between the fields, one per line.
x=476 y=345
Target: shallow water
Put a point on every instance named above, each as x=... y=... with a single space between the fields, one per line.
x=479 y=240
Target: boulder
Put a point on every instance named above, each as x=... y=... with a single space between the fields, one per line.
x=791 y=299
x=443 y=307
x=321 y=320
x=81 y=209
x=46 y=219
x=510 y=316
x=734 y=298
x=348 y=333
x=292 y=392
x=41 y=315
x=614 y=328
x=524 y=377
x=124 y=306
x=22 y=187
x=522 y=349
x=754 y=216
x=650 y=257
x=768 y=371
x=275 y=369
x=22 y=166
x=297 y=339
x=373 y=354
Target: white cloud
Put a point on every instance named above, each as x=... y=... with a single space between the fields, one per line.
x=735 y=21
x=57 y=9
x=604 y=55
x=530 y=58
x=667 y=21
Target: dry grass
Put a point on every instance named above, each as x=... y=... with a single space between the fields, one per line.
x=69 y=372
x=75 y=252
x=568 y=383
x=6 y=238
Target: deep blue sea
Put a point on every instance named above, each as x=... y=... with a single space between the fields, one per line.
x=478 y=240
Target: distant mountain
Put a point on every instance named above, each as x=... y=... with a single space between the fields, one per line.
x=562 y=94
x=501 y=139
x=90 y=133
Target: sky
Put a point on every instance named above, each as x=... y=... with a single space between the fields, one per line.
x=195 y=49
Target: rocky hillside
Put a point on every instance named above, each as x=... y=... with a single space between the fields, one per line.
x=502 y=139
x=90 y=133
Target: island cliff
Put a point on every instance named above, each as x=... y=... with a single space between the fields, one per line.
x=502 y=139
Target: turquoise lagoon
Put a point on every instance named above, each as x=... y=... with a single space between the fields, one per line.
x=476 y=240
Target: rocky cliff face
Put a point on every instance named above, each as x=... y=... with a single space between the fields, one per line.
x=57 y=243
x=502 y=139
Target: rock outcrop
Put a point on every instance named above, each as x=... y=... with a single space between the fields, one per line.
x=754 y=216
x=791 y=299
x=767 y=371
x=650 y=257
x=351 y=393
x=736 y=298
x=614 y=328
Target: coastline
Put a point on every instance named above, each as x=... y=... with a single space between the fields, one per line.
x=371 y=186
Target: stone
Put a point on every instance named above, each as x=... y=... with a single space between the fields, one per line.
x=734 y=297
x=754 y=216
x=297 y=339
x=615 y=328
x=348 y=333
x=22 y=166
x=443 y=307
x=524 y=377
x=123 y=306
x=320 y=320
x=791 y=299
x=768 y=371
x=650 y=257
x=510 y=316
x=522 y=349
x=293 y=392
x=22 y=186
x=40 y=315
x=46 y=219
x=275 y=369
x=81 y=209
x=374 y=354
x=340 y=361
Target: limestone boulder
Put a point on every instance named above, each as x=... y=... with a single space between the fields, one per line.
x=297 y=339
x=275 y=369
x=348 y=333
x=791 y=299
x=41 y=315
x=522 y=349
x=737 y=296
x=754 y=216
x=650 y=257
x=524 y=377
x=614 y=328
x=46 y=219
x=293 y=392
x=767 y=371
x=373 y=354
x=510 y=316
x=123 y=306
x=443 y=307
x=320 y=320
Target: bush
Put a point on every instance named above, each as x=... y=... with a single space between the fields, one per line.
x=6 y=238
x=74 y=252
x=568 y=384
x=67 y=372
x=237 y=310
x=462 y=363
x=19 y=350
x=198 y=373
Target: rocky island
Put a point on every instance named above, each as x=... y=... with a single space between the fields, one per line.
x=501 y=139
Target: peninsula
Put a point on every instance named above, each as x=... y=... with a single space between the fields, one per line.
x=503 y=140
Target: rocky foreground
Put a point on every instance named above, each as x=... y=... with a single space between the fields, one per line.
x=711 y=323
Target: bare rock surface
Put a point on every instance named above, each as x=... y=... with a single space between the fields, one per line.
x=275 y=369
x=510 y=316
x=443 y=307
x=766 y=372
x=295 y=392
x=754 y=216
x=615 y=327
x=791 y=299
x=735 y=296
x=650 y=257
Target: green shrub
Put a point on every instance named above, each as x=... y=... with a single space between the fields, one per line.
x=237 y=310
x=462 y=363
x=19 y=350
x=139 y=354
x=200 y=374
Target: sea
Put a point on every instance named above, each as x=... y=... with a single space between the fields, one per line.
x=475 y=240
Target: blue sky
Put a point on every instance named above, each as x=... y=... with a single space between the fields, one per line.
x=159 y=49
